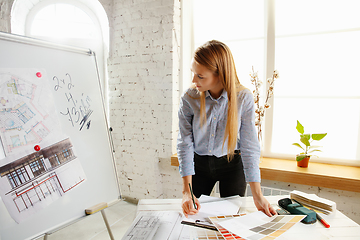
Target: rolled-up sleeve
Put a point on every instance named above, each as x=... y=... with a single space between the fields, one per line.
x=185 y=141
x=249 y=143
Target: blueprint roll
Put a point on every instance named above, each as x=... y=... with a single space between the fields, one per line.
x=56 y=155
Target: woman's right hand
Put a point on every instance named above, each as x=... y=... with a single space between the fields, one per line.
x=188 y=205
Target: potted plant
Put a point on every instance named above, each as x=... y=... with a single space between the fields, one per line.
x=306 y=140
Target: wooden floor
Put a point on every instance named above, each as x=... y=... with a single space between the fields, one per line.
x=119 y=215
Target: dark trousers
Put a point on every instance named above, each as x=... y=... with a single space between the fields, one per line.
x=210 y=169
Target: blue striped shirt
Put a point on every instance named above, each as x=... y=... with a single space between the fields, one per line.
x=208 y=139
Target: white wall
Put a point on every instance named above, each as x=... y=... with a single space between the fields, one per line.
x=144 y=92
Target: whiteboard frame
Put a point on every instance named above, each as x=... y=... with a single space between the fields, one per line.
x=46 y=44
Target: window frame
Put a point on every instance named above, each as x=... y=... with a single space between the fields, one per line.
x=269 y=62
x=37 y=167
x=18 y=177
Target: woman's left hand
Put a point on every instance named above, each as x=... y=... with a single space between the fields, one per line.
x=263 y=205
x=260 y=201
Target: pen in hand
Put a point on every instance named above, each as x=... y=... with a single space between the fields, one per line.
x=192 y=195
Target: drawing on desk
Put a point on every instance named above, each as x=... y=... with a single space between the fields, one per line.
x=155 y=225
x=213 y=206
x=257 y=225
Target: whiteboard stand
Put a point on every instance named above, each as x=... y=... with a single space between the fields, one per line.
x=107 y=224
x=105 y=221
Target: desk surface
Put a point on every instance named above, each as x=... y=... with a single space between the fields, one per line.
x=342 y=227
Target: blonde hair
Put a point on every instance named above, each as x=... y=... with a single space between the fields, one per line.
x=217 y=58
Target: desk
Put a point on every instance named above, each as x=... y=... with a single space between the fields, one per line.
x=342 y=227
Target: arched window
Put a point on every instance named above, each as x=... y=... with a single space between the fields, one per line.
x=80 y=23
x=61 y=21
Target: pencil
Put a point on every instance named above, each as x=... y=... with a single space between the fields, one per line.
x=192 y=195
x=322 y=220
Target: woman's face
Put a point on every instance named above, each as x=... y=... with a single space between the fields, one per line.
x=205 y=80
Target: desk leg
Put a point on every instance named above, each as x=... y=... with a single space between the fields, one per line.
x=107 y=225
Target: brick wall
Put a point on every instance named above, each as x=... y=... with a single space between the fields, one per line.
x=5 y=10
x=143 y=89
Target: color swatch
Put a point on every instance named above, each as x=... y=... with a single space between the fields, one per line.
x=261 y=227
x=225 y=233
x=204 y=234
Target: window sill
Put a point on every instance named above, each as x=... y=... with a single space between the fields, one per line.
x=317 y=174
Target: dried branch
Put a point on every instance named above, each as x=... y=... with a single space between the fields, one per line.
x=260 y=109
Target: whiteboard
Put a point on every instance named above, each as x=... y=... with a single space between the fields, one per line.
x=73 y=89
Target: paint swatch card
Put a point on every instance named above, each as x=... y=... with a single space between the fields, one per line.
x=224 y=232
x=257 y=225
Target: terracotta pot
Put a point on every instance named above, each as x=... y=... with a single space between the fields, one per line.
x=303 y=163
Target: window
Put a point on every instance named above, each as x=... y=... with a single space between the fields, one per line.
x=318 y=57
x=229 y=21
x=75 y=23
x=63 y=21
x=18 y=177
x=54 y=160
x=66 y=153
x=314 y=46
x=37 y=167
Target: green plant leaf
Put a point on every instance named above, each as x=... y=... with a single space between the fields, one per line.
x=299 y=127
x=298 y=145
x=300 y=157
x=305 y=141
x=314 y=150
x=318 y=136
x=311 y=147
x=307 y=136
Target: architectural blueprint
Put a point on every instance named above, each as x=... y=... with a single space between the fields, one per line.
x=40 y=163
x=27 y=114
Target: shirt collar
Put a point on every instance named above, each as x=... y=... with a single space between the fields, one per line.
x=223 y=94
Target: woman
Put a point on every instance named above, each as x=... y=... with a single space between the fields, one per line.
x=217 y=136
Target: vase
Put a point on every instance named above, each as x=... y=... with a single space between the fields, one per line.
x=304 y=162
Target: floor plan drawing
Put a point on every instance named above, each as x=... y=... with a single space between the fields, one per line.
x=26 y=109
x=40 y=165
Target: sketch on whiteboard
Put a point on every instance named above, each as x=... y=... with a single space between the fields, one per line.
x=31 y=183
x=78 y=106
x=27 y=113
x=40 y=165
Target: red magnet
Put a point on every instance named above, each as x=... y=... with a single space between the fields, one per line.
x=38 y=74
x=37 y=148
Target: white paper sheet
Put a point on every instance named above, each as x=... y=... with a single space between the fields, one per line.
x=213 y=206
x=154 y=225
